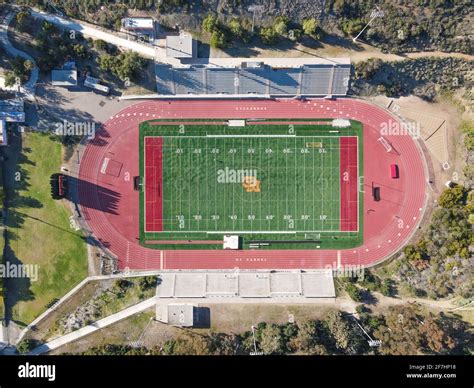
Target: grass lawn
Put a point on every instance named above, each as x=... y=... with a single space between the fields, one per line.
x=40 y=231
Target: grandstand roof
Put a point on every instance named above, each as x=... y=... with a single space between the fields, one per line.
x=326 y=78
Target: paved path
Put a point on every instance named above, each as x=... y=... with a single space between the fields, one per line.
x=28 y=88
x=65 y=339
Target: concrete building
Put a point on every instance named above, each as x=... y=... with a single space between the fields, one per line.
x=178 y=314
x=64 y=77
x=180 y=46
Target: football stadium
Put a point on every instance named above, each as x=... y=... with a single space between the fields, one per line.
x=238 y=165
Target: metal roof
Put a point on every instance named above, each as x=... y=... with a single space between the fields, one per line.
x=64 y=77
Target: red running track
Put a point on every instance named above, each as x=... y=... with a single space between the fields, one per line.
x=348 y=180
x=153 y=184
x=110 y=205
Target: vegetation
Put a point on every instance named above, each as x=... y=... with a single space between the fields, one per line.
x=423 y=77
x=408 y=25
x=440 y=263
x=405 y=26
x=27 y=345
x=402 y=330
x=310 y=27
x=126 y=65
x=219 y=33
x=109 y=299
x=21 y=69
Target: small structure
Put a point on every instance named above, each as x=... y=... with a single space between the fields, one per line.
x=180 y=46
x=64 y=77
x=231 y=242
x=3 y=133
x=94 y=83
x=139 y=26
x=179 y=314
x=236 y=123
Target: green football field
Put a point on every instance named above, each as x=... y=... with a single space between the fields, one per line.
x=264 y=181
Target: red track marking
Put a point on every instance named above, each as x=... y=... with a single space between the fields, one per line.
x=115 y=223
x=348 y=183
x=154 y=184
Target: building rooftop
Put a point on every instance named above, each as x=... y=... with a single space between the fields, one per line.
x=179 y=46
x=323 y=79
x=246 y=284
x=178 y=314
x=138 y=23
x=64 y=77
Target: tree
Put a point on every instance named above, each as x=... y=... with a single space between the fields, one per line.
x=352 y=26
x=22 y=19
x=100 y=45
x=123 y=284
x=26 y=345
x=454 y=197
x=281 y=26
x=28 y=65
x=268 y=35
x=306 y=338
x=354 y=292
x=147 y=282
x=310 y=26
x=218 y=39
x=10 y=79
x=271 y=340
x=191 y=345
x=235 y=27
x=435 y=339
x=209 y=23
x=339 y=329
x=106 y=62
x=80 y=50
x=401 y=332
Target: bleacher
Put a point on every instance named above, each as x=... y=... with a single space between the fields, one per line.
x=306 y=80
